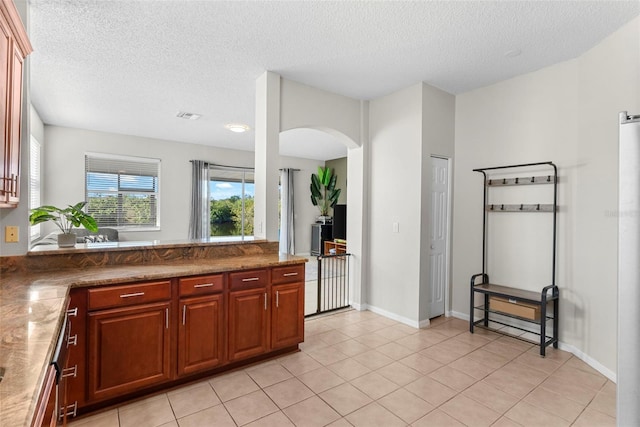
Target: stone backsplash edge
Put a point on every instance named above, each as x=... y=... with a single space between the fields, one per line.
x=51 y=261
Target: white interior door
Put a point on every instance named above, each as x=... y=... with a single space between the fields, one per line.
x=438 y=234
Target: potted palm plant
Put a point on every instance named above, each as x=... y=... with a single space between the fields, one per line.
x=324 y=193
x=65 y=219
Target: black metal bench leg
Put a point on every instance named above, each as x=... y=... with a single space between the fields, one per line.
x=543 y=327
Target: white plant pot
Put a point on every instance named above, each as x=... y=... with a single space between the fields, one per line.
x=324 y=219
x=67 y=240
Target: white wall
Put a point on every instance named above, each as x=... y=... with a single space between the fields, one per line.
x=63 y=173
x=340 y=168
x=396 y=167
x=567 y=113
x=303 y=106
x=347 y=119
x=407 y=128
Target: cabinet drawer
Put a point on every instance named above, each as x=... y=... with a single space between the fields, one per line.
x=288 y=274
x=121 y=296
x=248 y=279
x=201 y=285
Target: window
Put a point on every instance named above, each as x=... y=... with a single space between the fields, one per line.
x=34 y=183
x=122 y=192
x=231 y=191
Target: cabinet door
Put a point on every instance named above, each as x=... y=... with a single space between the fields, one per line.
x=248 y=318
x=129 y=349
x=45 y=411
x=200 y=336
x=5 y=84
x=287 y=318
x=15 y=118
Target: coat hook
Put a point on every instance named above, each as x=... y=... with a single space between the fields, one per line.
x=502 y=207
x=521 y=206
x=490 y=181
x=491 y=207
x=548 y=178
x=533 y=179
x=517 y=180
x=504 y=181
x=538 y=208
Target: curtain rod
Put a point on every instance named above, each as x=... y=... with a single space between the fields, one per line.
x=244 y=168
x=241 y=167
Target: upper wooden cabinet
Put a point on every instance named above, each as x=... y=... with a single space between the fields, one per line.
x=14 y=47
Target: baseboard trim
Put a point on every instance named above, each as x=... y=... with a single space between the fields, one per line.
x=359 y=307
x=569 y=348
x=459 y=315
x=394 y=316
x=588 y=360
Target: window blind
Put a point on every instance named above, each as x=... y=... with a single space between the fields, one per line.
x=34 y=182
x=123 y=191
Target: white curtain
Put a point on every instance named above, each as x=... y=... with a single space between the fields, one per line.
x=287 y=225
x=199 y=222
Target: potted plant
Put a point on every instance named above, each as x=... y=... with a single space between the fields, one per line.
x=65 y=219
x=324 y=193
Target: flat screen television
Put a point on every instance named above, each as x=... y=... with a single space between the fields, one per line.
x=340 y=222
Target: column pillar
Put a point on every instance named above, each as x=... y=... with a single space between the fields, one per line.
x=267 y=131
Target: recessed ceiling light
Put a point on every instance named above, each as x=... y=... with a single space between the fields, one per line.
x=188 y=116
x=512 y=53
x=237 y=127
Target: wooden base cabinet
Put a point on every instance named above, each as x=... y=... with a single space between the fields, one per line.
x=248 y=316
x=129 y=349
x=200 y=335
x=287 y=315
x=266 y=318
x=149 y=335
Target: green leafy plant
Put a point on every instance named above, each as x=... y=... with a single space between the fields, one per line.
x=324 y=193
x=65 y=219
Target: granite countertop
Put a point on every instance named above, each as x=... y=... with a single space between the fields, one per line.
x=32 y=309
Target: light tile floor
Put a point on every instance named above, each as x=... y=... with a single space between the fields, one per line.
x=362 y=369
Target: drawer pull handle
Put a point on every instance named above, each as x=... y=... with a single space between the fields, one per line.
x=72 y=312
x=71 y=410
x=166 y=322
x=513 y=301
x=265 y=301
x=135 y=294
x=250 y=279
x=184 y=314
x=70 y=372
x=290 y=274
x=277 y=299
x=203 y=285
x=72 y=340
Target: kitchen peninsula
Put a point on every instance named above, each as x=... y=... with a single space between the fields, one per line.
x=140 y=318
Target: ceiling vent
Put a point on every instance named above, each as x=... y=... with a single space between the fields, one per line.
x=188 y=116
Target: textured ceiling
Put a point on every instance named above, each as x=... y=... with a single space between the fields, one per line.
x=129 y=66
